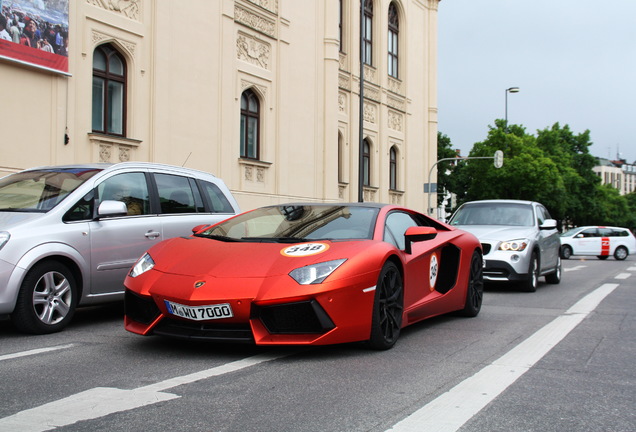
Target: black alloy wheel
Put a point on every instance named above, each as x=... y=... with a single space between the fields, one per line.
x=475 y=289
x=388 y=305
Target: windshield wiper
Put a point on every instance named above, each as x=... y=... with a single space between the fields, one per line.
x=218 y=237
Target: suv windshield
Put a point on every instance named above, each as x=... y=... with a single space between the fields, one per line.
x=494 y=214
x=40 y=190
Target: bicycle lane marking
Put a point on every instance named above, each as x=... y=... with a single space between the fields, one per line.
x=102 y=401
x=451 y=410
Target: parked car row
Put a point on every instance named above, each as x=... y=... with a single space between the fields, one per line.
x=302 y=273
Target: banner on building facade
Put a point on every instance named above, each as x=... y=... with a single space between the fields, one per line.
x=35 y=32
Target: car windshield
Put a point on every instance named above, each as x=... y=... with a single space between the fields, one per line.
x=295 y=223
x=494 y=214
x=40 y=190
x=571 y=232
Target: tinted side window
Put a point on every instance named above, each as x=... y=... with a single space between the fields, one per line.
x=129 y=188
x=605 y=232
x=176 y=194
x=590 y=232
x=216 y=199
x=82 y=210
x=395 y=227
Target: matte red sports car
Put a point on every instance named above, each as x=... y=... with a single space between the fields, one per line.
x=306 y=274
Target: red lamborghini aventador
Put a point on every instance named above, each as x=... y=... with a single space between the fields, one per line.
x=306 y=274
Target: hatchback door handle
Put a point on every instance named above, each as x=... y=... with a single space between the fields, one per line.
x=152 y=234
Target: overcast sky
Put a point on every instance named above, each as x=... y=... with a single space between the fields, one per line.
x=573 y=60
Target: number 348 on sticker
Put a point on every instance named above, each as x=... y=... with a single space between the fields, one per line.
x=304 y=249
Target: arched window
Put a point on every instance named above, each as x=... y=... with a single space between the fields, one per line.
x=367 y=32
x=393 y=41
x=366 y=163
x=109 y=91
x=250 y=125
x=393 y=169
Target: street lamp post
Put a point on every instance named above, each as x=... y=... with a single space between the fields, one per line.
x=509 y=90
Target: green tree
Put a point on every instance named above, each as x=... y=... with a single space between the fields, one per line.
x=444 y=169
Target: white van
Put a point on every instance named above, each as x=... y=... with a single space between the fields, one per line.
x=69 y=234
x=600 y=241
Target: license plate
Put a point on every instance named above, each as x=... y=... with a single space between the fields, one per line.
x=200 y=313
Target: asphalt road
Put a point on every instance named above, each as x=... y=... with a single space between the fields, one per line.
x=559 y=359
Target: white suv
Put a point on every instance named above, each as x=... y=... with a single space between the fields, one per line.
x=69 y=234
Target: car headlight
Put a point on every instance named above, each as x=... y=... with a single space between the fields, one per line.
x=4 y=238
x=144 y=264
x=315 y=273
x=514 y=245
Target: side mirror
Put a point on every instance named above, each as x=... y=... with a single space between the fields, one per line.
x=110 y=208
x=418 y=234
x=198 y=228
x=548 y=224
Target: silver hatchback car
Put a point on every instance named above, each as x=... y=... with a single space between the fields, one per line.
x=519 y=238
x=69 y=234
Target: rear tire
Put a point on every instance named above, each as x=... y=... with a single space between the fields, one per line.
x=555 y=277
x=47 y=299
x=475 y=288
x=621 y=253
x=388 y=306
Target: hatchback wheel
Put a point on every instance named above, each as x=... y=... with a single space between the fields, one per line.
x=621 y=253
x=47 y=299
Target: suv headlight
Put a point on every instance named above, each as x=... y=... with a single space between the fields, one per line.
x=4 y=238
x=315 y=273
x=517 y=245
x=144 y=264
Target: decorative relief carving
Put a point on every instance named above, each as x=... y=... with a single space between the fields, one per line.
x=372 y=93
x=104 y=153
x=369 y=74
x=396 y=197
x=395 y=86
x=369 y=112
x=97 y=37
x=395 y=120
x=369 y=195
x=270 y=5
x=395 y=103
x=342 y=60
x=342 y=102
x=253 y=50
x=124 y=154
x=261 y=89
x=128 y=8
x=344 y=82
x=254 y=21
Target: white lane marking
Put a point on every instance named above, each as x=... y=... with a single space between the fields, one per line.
x=578 y=267
x=34 y=352
x=101 y=401
x=452 y=409
x=631 y=269
x=622 y=276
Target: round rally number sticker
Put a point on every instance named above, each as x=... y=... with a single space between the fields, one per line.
x=434 y=269
x=304 y=249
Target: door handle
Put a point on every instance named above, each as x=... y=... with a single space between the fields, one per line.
x=152 y=234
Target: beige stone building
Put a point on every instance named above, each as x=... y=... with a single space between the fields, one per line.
x=262 y=93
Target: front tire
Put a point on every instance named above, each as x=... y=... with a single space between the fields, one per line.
x=388 y=305
x=566 y=252
x=47 y=299
x=621 y=253
x=555 y=277
x=530 y=285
